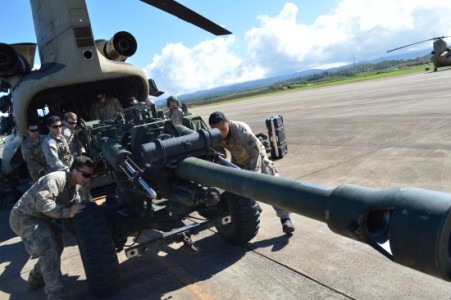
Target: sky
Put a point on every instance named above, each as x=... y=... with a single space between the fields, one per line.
x=270 y=37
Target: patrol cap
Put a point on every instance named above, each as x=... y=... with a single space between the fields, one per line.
x=53 y=119
x=172 y=98
x=216 y=117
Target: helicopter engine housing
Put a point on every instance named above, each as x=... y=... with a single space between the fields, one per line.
x=120 y=47
x=16 y=59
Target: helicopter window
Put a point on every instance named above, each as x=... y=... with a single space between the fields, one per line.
x=42 y=112
x=87 y=54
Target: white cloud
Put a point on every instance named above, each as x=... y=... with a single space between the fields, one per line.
x=209 y=64
x=360 y=29
x=355 y=29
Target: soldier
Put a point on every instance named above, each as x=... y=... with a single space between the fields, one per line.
x=76 y=147
x=32 y=152
x=70 y=132
x=55 y=147
x=175 y=113
x=247 y=153
x=105 y=108
x=52 y=197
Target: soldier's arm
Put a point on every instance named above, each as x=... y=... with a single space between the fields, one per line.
x=46 y=200
x=222 y=150
x=67 y=133
x=251 y=146
x=32 y=164
x=51 y=157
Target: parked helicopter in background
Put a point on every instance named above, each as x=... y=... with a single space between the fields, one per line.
x=74 y=66
x=440 y=55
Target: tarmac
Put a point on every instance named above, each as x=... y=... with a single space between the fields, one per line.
x=384 y=133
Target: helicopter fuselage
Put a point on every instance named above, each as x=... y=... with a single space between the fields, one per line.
x=74 y=67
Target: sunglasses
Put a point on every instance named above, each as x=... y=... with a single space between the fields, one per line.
x=84 y=174
x=33 y=130
x=71 y=123
x=56 y=126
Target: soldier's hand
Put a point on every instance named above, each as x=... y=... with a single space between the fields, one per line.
x=75 y=209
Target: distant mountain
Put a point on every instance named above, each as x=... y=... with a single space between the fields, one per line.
x=248 y=85
x=259 y=83
x=399 y=56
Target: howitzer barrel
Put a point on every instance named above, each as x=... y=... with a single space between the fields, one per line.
x=195 y=144
x=414 y=223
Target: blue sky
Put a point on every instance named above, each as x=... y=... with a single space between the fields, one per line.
x=270 y=37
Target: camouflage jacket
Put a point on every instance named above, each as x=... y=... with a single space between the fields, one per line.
x=57 y=153
x=246 y=149
x=75 y=145
x=176 y=116
x=102 y=112
x=34 y=157
x=49 y=198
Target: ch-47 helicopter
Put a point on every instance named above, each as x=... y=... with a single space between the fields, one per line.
x=440 y=55
x=74 y=65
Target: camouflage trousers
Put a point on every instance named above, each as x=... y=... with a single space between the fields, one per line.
x=43 y=240
x=268 y=167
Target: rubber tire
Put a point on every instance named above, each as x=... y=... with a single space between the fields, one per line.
x=245 y=219
x=97 y=250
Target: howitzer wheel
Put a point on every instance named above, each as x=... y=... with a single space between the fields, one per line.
x=97 y=250
x=245 y=219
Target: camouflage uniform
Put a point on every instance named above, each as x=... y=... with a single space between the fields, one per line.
x=34 y=157
x=57 y=153
x=102 y=112
x=32 y=219
x=75 y=145
x=176 y=116
x=249 y=153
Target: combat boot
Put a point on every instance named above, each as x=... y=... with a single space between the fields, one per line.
x=35 y=280
x=287 y=225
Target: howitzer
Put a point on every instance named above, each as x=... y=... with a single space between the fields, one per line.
x=164 y=175
x=414 y=223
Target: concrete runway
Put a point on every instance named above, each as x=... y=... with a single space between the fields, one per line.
x=384 y=133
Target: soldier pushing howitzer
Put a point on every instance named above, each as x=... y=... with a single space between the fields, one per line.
x=54 y=196
x=247 y=153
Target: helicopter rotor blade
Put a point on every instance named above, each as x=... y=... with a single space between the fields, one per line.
x=410 y=45
x=188 y=15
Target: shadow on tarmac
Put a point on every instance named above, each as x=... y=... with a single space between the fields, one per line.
x=14 y=257
x=277 y=243
x=154 y=277
x=149 y=276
